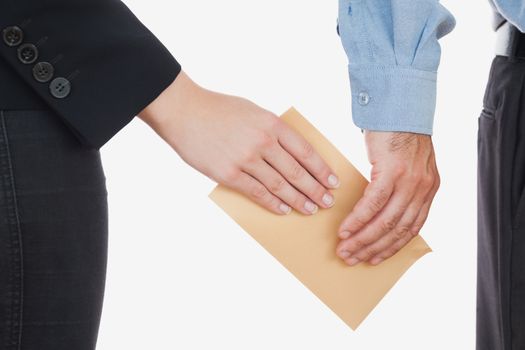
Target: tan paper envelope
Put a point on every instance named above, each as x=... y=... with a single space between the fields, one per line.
x=305 y=245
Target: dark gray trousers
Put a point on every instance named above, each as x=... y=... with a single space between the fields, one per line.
x=501 y=209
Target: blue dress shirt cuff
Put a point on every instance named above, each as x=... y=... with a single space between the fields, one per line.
x=393 y=98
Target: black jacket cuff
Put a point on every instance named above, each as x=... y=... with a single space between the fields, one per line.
x=113 y=65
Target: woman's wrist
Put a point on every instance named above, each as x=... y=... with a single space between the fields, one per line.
x=177 y=102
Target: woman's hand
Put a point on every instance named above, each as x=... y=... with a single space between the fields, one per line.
x=242 y=146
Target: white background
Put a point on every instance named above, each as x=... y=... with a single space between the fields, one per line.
x=183 y=275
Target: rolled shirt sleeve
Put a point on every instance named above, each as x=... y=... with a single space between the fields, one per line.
x=393 y=54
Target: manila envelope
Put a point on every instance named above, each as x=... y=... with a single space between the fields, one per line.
x=306 y=245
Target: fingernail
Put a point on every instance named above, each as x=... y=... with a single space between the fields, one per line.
x=311 y=207
x=328 y=199
x=352 y=261
x=344 y=235
x=344 y=254
x=285 y=208
x=333 y=181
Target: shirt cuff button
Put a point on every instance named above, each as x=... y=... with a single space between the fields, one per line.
x=363 y=98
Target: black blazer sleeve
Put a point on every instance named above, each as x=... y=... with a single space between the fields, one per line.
x=92 y=61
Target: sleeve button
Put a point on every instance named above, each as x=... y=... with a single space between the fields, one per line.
x=43 y=72
x=12 y=35
x=27 y=53
x=60 y=87
x=363 y=98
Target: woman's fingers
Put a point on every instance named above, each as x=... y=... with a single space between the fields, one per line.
x=278 y=179
x=280 y=187
x=298 y=176
x=256 y=191
x=306 y=155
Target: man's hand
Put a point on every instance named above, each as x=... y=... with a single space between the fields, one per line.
x=396 y=203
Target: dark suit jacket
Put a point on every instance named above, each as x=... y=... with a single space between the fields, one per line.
x=91 y=61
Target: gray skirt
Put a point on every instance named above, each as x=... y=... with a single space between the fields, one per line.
x=53 y=234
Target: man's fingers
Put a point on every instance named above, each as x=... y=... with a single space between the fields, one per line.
x=423 y=214
x=279 y=186
x=393 y=249
x=413 y=230
x=384 y=246
x=257 y=192
x=397 y=245
x=383 y=223
x=421 y=218
x=297 y=176
x=307 y=156
x=376 y=196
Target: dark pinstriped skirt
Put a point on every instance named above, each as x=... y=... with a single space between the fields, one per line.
x=53 y=235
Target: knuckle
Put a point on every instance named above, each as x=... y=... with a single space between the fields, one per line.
x=369 y=252
x=355 y=222
x=307 y=150
x=230 y=175
x=437 y=181
x=360 y=221
x=249 y=156
x=296 y=172
x=417 y=226
x=399 y=170
x=277 y=185
x=387 y=225
x=415 y=176
x=400 y=233
x=414 y=231
x=358 y=244
x=391 y=252
x=376 y=202
x=258 y=192
x=394 y=239
x=378 y=198
x=275 y=122
x=264 y=140
x=428 y=180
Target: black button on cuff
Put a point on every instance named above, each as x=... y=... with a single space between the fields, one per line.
x=13 y=36
x=27 y=53
x=60 y=87
x=43 y=72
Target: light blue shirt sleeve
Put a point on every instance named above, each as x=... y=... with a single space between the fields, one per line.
x=513 y=11
x=393 y=54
